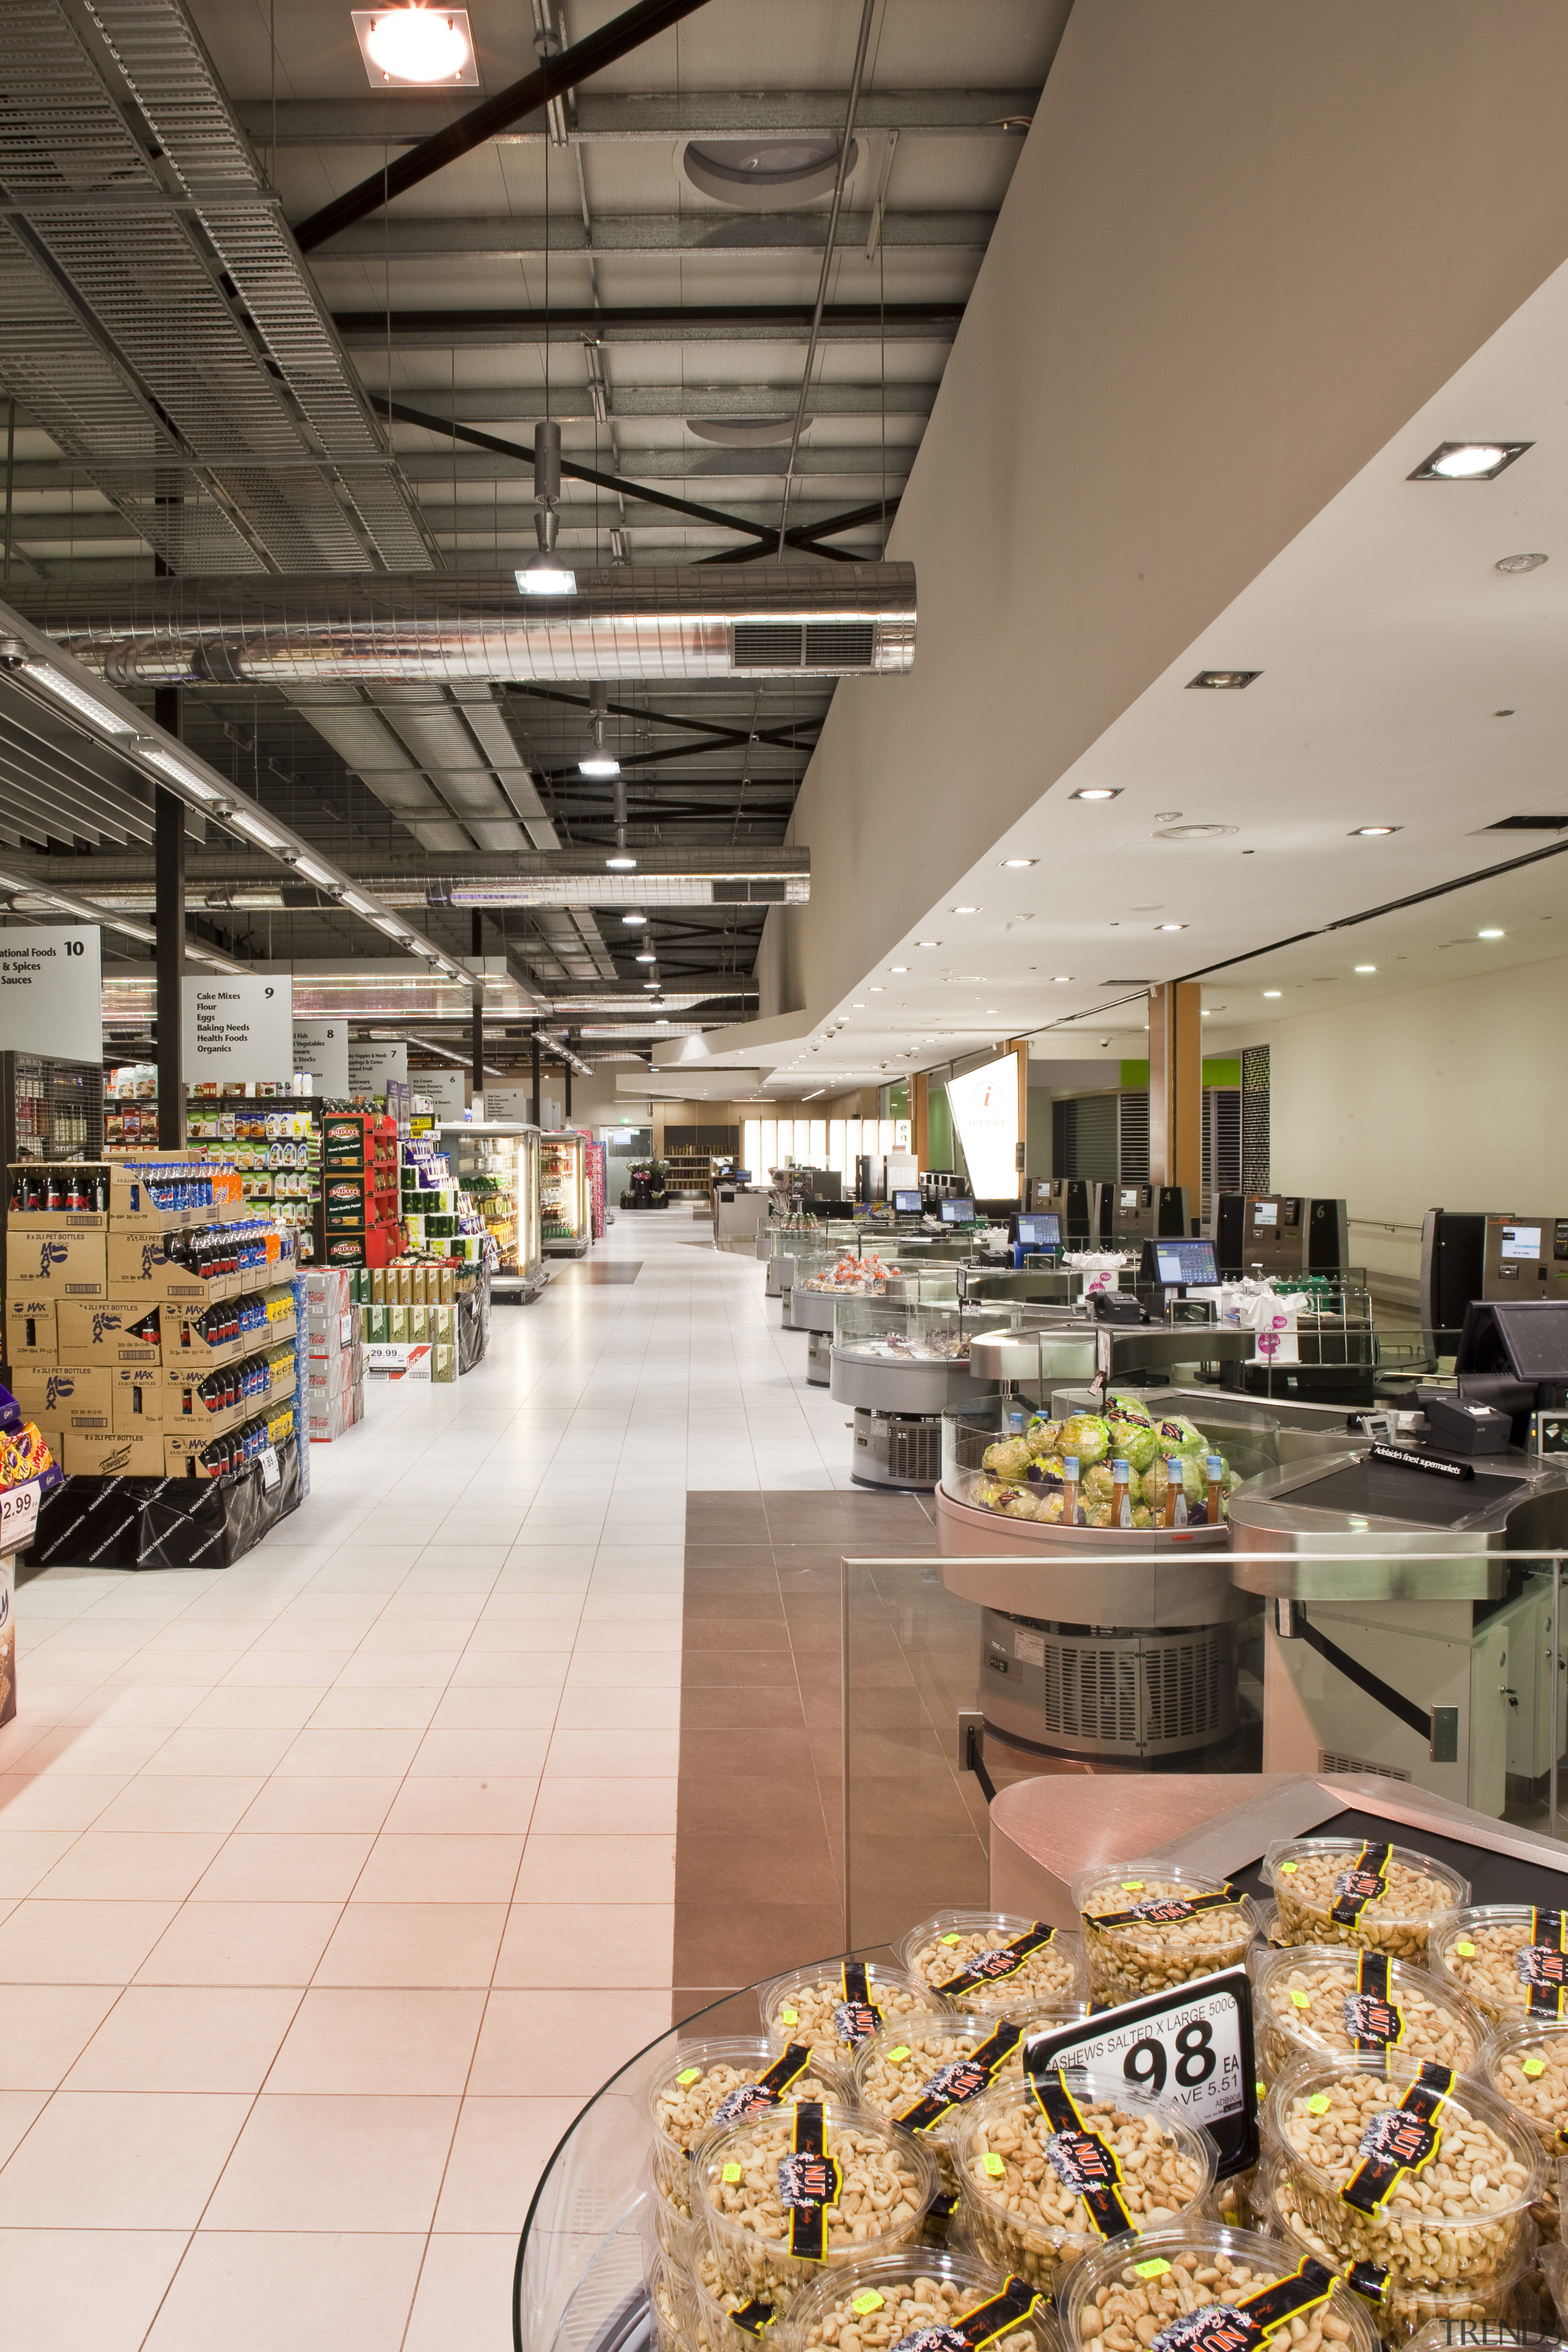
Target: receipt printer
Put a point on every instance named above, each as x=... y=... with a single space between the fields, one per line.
x=1462 y=1425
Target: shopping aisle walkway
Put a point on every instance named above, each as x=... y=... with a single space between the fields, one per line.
x=331 y=1883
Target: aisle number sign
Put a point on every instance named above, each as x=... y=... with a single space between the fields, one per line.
x=370 y=1067
x=239 y=1025
x=322 y=1049
x=51 y=992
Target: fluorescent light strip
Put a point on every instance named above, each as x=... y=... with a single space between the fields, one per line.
x=316 y=874
x=255 y=828
x=157 y=757
x=45 y=674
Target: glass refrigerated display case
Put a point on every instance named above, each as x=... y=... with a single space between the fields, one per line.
x=566 y=1206
x=497 y=1163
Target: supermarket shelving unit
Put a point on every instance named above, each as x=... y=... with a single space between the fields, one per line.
x=565 y=1208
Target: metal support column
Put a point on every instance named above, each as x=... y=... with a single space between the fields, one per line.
x=566 y=1066
x=534 y=1058
x=478 y=1042
x=169 y=917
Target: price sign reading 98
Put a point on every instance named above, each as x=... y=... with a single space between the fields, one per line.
x=1190 y=2047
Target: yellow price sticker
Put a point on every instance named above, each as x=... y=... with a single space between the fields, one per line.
x=1299 y=2000
x=689 y=2074
x=1465 y=1950
x=953 y=1939
x=900 y=2053
x=1261 y=2087
x=1318 y=2105
x=1533 y=2067
x=730 y=2174
x=1133 y=1886
x=1289 y=1866
x=789 y=2017
x=1156 y=2268
x=867 y=2300
x=994 y=2166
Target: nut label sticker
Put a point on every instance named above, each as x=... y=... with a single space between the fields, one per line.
x=1191 y=2045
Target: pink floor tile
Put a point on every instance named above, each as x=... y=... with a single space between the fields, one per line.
x=603 y=1944
x=186 y=2038
x=348 y=1754
x=358 y=2040
x=55 y=1800
x=430 y=1944
x=299 y=1867
x=464 y=2292
x=562 y=2044
x=119 y=2160
x=95 y=1747
x=213 y=1751
x=44 y=2029
x=362 y=1707
x=18 y=2112
x=501 y=2148
x=25 y=1855
x=241 y=1944
x=148 y=1864
x=254 y=2291
x=177 y=1802
x=459 y=1806
x=585 y=1869
x=77 y=2290
x=432 y=1869
x=483 y=1754
x=335 y=2162
x=79 y=1943
x=338 y=1805
x=252 y=1707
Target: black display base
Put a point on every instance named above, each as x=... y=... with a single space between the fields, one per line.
x=165 y=1522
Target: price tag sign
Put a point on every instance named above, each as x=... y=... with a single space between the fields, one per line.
x=270 y=1474
x=19 y=1515
x=1192 y=2045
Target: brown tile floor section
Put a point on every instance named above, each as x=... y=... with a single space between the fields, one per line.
x=758 y=1866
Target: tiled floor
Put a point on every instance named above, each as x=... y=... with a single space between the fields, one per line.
x=330 y=1885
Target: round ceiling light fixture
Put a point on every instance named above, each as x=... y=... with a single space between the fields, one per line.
x=765 y=175
x=1097 y=793
x=1519 y=563
x=1170 y=926
x=633 y=918
x=1195 y=832
x=419 y=45
x=1373 y=832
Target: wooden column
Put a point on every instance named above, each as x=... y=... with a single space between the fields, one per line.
x=1176 y=1085
x=1019 y=1049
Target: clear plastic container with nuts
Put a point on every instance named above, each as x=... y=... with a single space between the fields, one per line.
x=706 y=2084
x=1150 y=1925
x=1351 y=1890
x=1049 y=2169
x=922 y=2070
x=729 y=2319
x=835 y=2007
x=1128 y=2295
x=1508 y=1958
x=1312 y=1997
x=987 y=1962
x=1424 y=2173
x=666 y=2215
x=1526 y=2063
x=873 y=2306
x=784 y=2193
x=1397 y=2309
x=672 y=2307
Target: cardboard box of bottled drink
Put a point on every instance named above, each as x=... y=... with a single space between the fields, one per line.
x=94 y=1454
x=54 y=1265
x=32 y=1332
x=68 y=1397
x=107 y=1331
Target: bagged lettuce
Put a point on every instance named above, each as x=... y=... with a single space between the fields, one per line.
x=1043 y=1436
x=1127 y=1406
x=1099 y=1485
x=1135 y=1440
x=1008 y=1458
x=1086 y=1435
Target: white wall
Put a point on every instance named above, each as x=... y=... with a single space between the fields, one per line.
x=1444 y=1097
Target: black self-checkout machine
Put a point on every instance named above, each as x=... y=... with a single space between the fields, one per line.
x=1282 y=1233
x=1513 y=1356
x=1127 y=1215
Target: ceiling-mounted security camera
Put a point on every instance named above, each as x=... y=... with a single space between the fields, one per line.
x=1105 y=1041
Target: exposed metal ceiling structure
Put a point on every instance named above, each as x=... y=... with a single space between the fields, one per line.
x=191 y=392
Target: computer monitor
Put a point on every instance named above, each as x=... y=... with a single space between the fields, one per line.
x=1182 y=1264
x=1038 y=1230
x=906 y=1204
x=957 y=1213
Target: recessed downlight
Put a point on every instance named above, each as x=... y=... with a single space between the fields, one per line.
x=1273 y=992
x=928 y=944
x=1468 y=461
x=1194 y=831
x=1062 y=979
x=898 y=967
x=415 y=45
x=1519 y=563
x=963 y=911
x=764 y=174
x=1373 y=832
x=1170 y=926
x=1097 y=793
x=1017 y=864
x=1490 y=935
x=876 y=988
x=1220 y=680
x=1367 y=966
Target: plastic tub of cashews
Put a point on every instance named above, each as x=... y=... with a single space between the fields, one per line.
x=704 y=2086
x=1131 y=2292
x=665 y=2217
x=1311 y=1997
x=1398 y=2310
x=1150 y=1925
x=1505 y=1957
x=1048 y=2170
x=1526 y=2063
x=1349 y=1890
x=987 y=1962
x=873 y=2306
x=672 y=2307
x=783 y=2194
x=834 y=2008
x=1421 y=2172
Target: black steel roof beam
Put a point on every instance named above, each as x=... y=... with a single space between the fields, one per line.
x=570 y=466
x=854 y=519
x=410 y=117
x=654 y=321
x=551 y=79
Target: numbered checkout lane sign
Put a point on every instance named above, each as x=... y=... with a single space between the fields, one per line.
x=1192 y=2045
x=239 y=1025
x=51 y=992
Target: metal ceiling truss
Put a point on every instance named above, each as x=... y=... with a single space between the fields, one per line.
x=663 y=117
x=477 y=327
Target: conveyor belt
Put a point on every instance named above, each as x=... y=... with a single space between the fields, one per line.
x=1494 y=1877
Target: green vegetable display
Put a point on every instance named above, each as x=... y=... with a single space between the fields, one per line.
x=1025 y=1474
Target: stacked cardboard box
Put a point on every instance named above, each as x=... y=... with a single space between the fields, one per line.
x=358 y=1216
x=118 y=1320
x=412 y=1304
x=335 y=1395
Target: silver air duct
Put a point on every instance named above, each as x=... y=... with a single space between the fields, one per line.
x=657 y=621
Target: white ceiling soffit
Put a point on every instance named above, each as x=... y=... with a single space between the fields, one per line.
x=1404 y=681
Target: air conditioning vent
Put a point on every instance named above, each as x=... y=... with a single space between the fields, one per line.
x=1527 y=824
x=814 y=645
x=1329 y=1762
x=752 y=893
